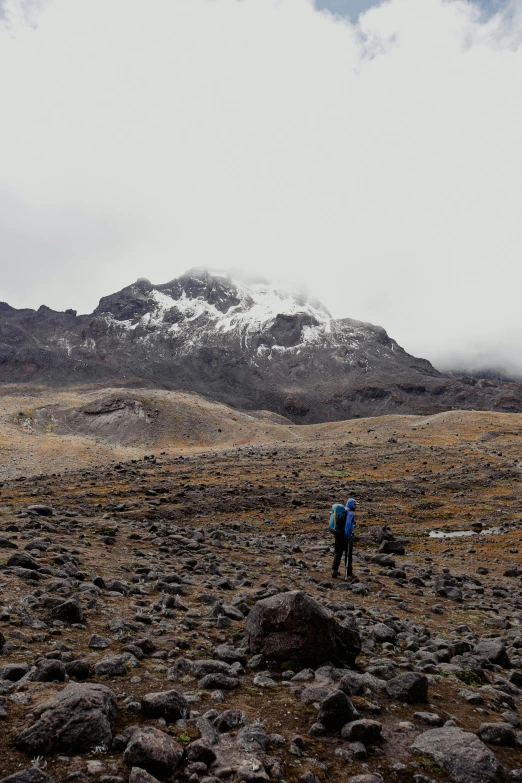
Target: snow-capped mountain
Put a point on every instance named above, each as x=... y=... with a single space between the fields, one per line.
x=250 y=345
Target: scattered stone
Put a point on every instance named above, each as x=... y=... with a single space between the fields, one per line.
x=6 y=543
x=169 y=705
x=23 y=560
x=461 y=754
x=494 y=650
x=230 y=719
x=77 y=719
x=221 y=681
x=111 y=666
x=199 y=750
x=336 y=711
x=366 y=731
x=13 y=671
x=40 y=510
x=79 y=669
x=31 y=775
x=382 y=633
x=153 y=751
x=68 y=611
x=411 y=687
x=252 y=738
x=49 y=671
x=97 y=642
x=431 y=718
x=497 y=733
x=138 y=775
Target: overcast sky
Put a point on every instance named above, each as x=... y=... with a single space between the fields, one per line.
x=371 y=151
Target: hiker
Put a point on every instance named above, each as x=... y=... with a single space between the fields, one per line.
x=342 y=524
x=349 y=531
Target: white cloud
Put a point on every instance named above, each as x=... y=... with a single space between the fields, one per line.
x=379 y=164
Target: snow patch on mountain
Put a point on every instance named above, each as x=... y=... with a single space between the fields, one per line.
x=258 y=307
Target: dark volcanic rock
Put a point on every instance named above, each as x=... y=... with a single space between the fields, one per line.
x=68 y=611
x=42 y=511
x=218 y=681
x=201 y=751
x=23 y=560
x=50 y=671
x=78 y=719
x=295 y=626
x=336 y=711
x=392 y=548
x=13 y=671
x=411 y=687
x=111 y=666
x=138 y=775
x=154 y=751
x=32 y=775
x=6 y=543
x=365 y=731
x=79 y=669
x=493 y=650
x=497 y=733
x=461 y=754
x=296 y=361
x=170 y=705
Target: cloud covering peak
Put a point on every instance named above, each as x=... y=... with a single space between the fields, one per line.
x=378 y=163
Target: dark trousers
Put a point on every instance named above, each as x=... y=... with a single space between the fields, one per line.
x=343 y=546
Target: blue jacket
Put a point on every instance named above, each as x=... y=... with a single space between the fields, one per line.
x=350 y=518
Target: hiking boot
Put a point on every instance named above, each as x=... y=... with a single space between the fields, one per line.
x=335 y=574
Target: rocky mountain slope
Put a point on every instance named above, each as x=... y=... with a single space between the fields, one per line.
x=173 y=618
x=249 y=346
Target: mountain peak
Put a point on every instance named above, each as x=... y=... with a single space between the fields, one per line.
x=216 y=295
x=248 y=343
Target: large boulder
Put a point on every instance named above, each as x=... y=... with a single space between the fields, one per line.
x=154 y=751
x=293 y=625
x=461 y=754
x=78 y=719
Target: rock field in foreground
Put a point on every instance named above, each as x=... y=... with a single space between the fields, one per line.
x=174 y=618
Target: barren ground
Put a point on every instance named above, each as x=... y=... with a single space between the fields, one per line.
x=260 y=490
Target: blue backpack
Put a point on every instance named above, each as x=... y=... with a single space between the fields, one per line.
x=337 y=519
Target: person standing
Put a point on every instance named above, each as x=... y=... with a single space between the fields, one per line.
x=342 y=525
x=349 y=529
x=337 y=526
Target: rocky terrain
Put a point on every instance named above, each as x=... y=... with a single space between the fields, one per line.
x=248 y=346
x=172 y=616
